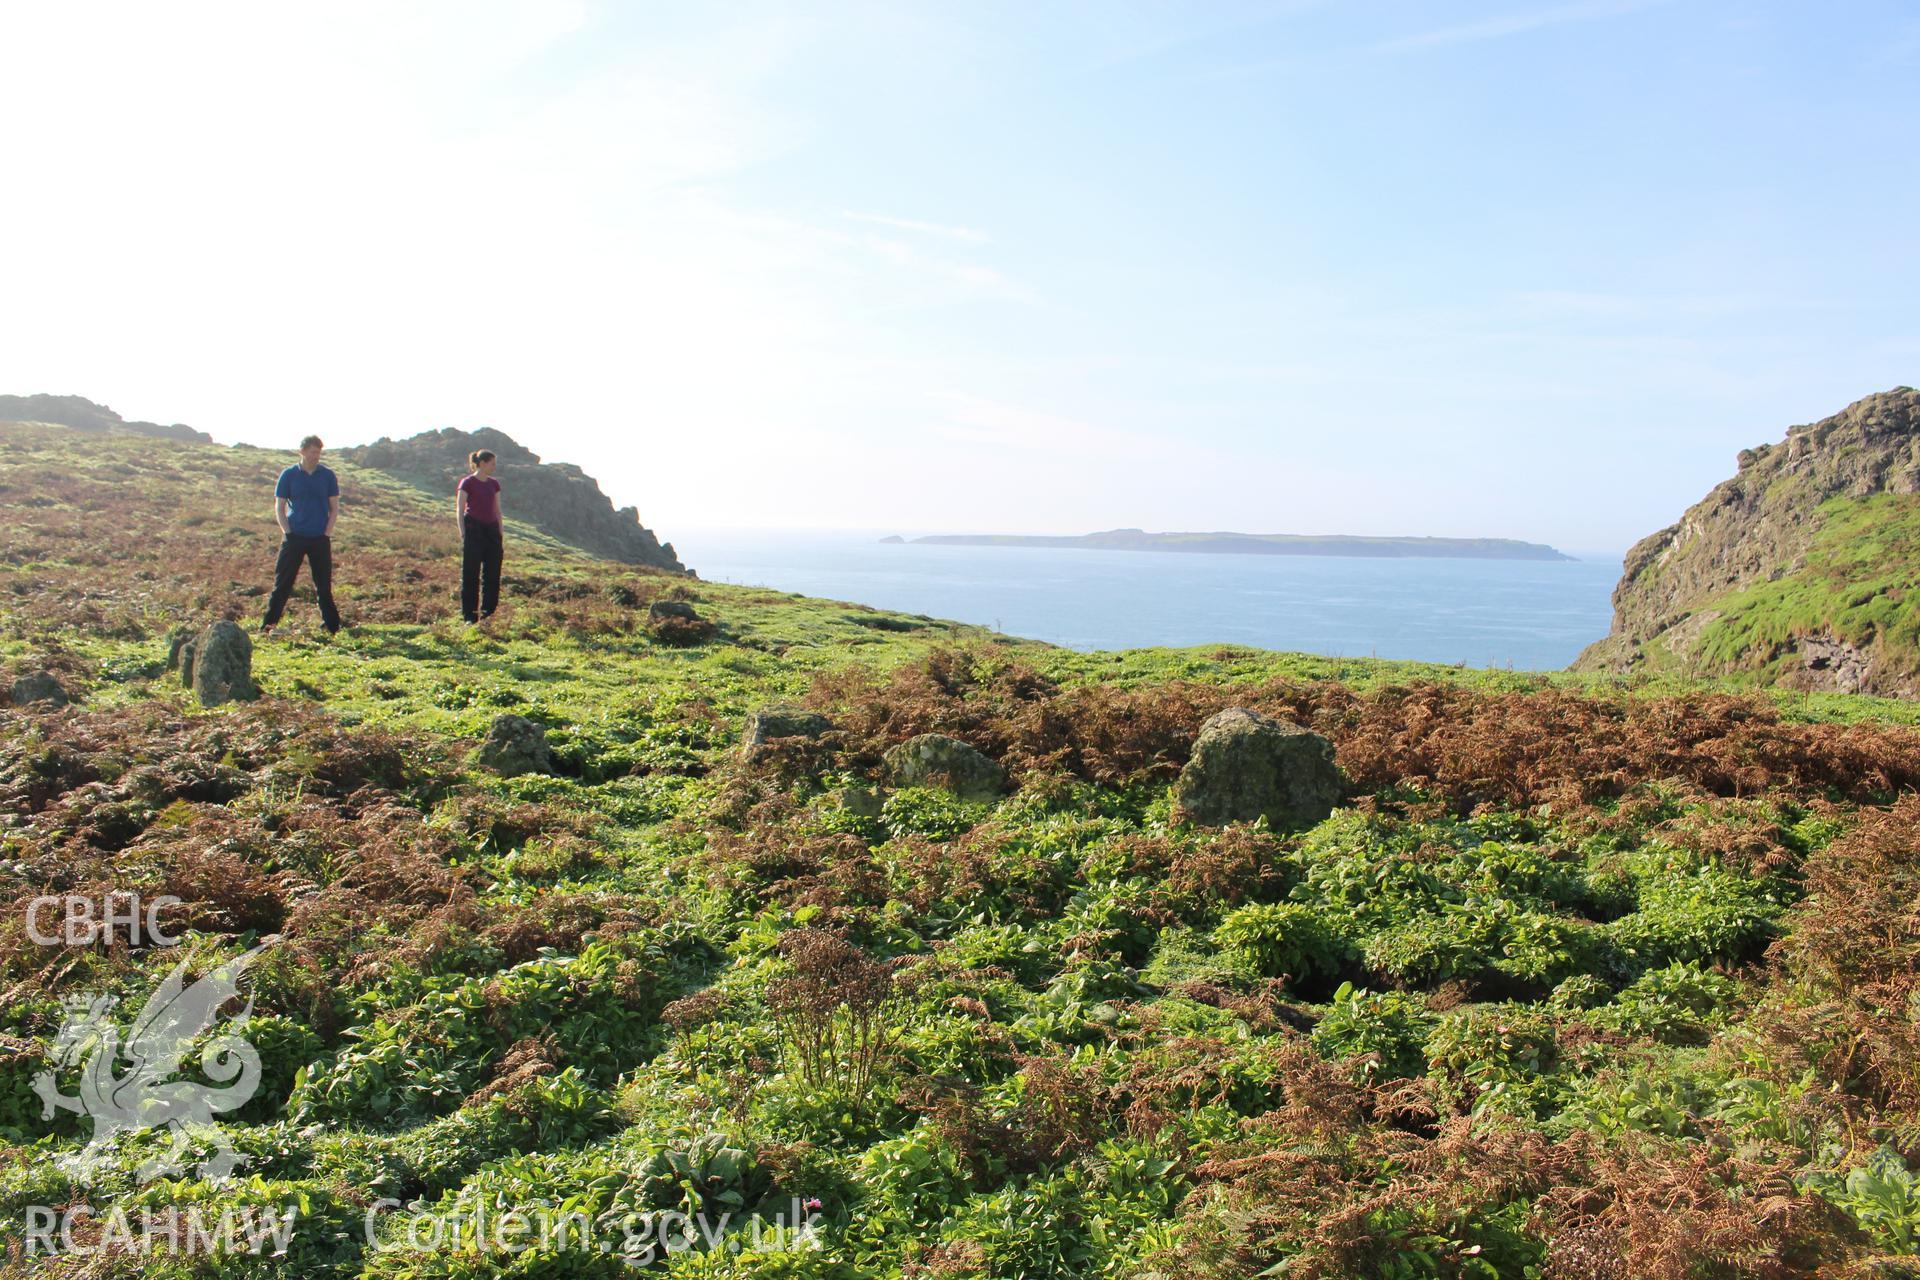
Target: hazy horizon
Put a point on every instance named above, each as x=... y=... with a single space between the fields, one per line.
x=1530 y=271
x=691 y=536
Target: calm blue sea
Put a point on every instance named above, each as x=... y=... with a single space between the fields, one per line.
x=1525 y=614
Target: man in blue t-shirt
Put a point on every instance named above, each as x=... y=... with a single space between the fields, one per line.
x=306 y=502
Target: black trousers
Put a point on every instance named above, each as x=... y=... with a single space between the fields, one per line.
x=317 y=551
x=480 y=556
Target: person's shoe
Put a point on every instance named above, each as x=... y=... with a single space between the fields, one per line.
x=266 y=630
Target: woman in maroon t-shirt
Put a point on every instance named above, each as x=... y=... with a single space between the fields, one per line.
x=476 y=504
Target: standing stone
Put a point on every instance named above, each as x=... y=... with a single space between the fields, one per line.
x=936 y=760
x=767 y=726
x=223 y=665
x=186 y=664
x=39 y=688
x=516 y=745
x=1246 y=765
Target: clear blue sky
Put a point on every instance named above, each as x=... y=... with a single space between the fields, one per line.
x=1508 y=269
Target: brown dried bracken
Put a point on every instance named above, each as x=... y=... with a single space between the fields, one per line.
x=834 y=1006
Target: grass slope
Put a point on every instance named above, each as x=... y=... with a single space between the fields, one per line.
x=1858 y=583
x=1584 y=980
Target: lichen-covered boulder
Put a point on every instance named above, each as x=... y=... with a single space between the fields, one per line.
x=773 y=726
x=515 y=745
x=39 y=688
x=935 y=760
x=223 y=665
x=1246 y=766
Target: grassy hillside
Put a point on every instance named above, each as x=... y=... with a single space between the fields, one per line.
x=1858 y=582
x=1585 y=979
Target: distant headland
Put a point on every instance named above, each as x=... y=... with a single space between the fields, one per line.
x=1260 y=544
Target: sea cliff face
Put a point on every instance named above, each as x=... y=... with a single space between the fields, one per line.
x=556 y=497
x=1802 y=569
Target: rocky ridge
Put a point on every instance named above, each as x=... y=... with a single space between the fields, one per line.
x=83 y=414
x=558 y=498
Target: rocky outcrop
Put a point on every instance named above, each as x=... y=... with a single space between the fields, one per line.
x=83 y=414
x=1795 y=570
x=935 y=760
x=557 y=498
x=1246 y=766
x=222 y=665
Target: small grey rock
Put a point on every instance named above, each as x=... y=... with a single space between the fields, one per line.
x=1246 y=765
x=769 y=724
x=861 y=802
x=223 y=665
x=516 y=745
x=660 y=609
x=936 y=760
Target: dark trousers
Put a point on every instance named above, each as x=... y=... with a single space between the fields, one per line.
x=480 y=556
x=317 y=551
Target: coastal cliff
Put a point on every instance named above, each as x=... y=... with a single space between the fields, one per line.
x=1800 y=570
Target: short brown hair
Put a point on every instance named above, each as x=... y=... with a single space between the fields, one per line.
x=310 y=441
x=479 y=456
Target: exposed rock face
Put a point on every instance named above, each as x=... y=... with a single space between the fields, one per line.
x=38 y=688
x=1245 y=766
x=83 y=414
x=935 y=760
x=1804 y=531
x=1832 y=663
x=768 y=727
x=556 y=497
x=516 y=745
x=222 y=665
